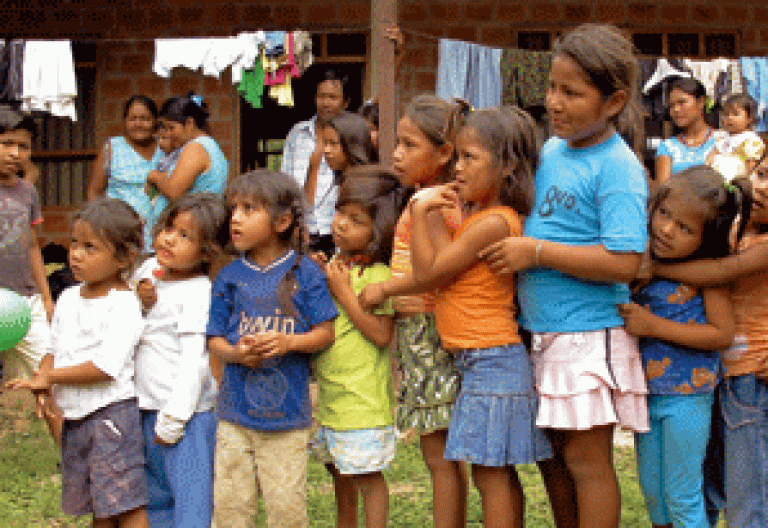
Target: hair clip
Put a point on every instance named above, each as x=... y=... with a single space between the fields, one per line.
x=731 y=188
x=196 y=99
x=709 y=105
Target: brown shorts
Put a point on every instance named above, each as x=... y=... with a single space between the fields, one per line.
x=102 y=462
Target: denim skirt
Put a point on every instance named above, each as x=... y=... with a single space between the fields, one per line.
x=493 y=418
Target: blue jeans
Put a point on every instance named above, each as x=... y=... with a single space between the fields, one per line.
x=180 y=477
x=745 y=410
x=670 y=459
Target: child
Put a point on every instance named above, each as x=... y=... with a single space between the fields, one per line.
x=356 y=438
x=21 y=261
x=269 y=310
x=94 y=333
x=584 y=241
x=737 y=148
x=347 y=143
x=492 y=423
x=429 y=379
x=691 y=217
x=743 y=392
x=174 y=384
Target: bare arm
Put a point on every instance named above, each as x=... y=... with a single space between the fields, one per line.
x=97 y=183
x=38 y=272
x=710 y=272
x=663 y=169
x=194 y=161
x=716 y=334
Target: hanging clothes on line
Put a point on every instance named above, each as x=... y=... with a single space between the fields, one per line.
x=48 y=78
x=469 y=71
x=524 y=77
x=755 y=73
x=11 y=70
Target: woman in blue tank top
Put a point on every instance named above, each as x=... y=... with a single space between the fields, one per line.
x=201 y=166
x=121 y=167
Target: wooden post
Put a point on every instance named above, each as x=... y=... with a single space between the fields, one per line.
x=383 y=14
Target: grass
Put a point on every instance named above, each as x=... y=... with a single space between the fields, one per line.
x=30 y=493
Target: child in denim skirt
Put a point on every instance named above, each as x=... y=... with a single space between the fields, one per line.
x=492 y=424
x=95 y=329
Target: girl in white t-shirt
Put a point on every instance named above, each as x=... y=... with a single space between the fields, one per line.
x=737 y=147
x=174 y=380
x=90 y=367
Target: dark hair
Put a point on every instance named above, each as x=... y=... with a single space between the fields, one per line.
x=335 y=76
x=355 y=138
x=12 y=119
x=117 y=222
x=211 y=220
x=143 y=99
x=689 y=85
x=370 y=111
x=744 y=101
x=608 y=59
x=438 y=119
x=179 y=109
x=379 y=192
x=509 y=134
x=724 y=204
x=278 y=193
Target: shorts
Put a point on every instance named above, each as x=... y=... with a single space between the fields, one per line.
x=588 y=379
x=429 y=378
x=355 y=452
x=24 y=358
x=493 y=421
x=102 y=462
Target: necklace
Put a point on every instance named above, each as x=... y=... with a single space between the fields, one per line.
x=693 y=142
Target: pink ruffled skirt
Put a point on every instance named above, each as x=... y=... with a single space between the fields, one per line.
x=586 y=379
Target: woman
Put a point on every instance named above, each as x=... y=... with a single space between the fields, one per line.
x=121 y=167
x=201 y=166
x=694 y=141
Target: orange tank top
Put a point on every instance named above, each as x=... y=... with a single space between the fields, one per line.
x=477 y=310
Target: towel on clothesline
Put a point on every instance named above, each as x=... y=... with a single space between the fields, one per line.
x=49 y=82
x=469 y=71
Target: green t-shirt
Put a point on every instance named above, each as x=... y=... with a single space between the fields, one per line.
x=353 y=375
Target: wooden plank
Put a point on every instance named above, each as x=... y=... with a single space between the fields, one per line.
x=383 y=14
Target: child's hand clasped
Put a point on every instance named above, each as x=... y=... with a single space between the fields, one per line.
x=40 y=383
x=636 y=318
x=337 y=275
x=371 y=296
x=510 y=255
x=249 y=351
x=439 y=197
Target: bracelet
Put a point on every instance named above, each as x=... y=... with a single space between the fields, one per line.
x=537 y=253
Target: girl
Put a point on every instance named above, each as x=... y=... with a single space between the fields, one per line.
x=201 y=167
x=691 y=217
x=356 y=439
x=492 y=423
x=347 y=143
x=429 y=380
x=270 y=309
x=174 y=383
x=737 y=147
x=743 y=392
x=694 y=141
x=584 y=241
x=95 y=329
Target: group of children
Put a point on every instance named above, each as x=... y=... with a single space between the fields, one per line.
x=500 y=242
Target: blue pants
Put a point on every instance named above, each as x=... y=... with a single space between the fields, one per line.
x=670 y=459
x=745 y=410
x=180 y=477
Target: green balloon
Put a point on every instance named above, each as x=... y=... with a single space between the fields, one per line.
x=15 y=317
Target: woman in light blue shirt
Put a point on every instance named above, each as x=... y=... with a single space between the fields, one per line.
x=201 y=166
x=694 y=142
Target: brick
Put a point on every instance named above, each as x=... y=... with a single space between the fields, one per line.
x=610 y=13
x=544 y=12
x=136 y=63
x=674 y=13
x=468 y=33
x=445 y=12
x=413 y=12
x=288 y=15
x=355 y=14
x=321 y=12
x=109 y=63
x=511 y=12
x=98 y=21
x=761 y=13
x=221 y=130
x=496 y=35
x=478 y=12
x=131 y=22
x=641 y=12
x=183 y=85
x=225 y=107
x=153 y=86
x=221 y=17
x=735 y=14
x=576 y=13
x=192 y=15
x=425 y=80
x=704 y=14
x=56 y=223
x=212 y=86
x=256 y=14
x=115 y=87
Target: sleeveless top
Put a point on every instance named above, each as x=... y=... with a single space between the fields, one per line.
x=214 y=180
x=476 y=310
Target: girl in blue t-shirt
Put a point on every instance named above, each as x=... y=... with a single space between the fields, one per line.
x=682 y=328
x=694 y=142
x=270 y=309
x=583 y=243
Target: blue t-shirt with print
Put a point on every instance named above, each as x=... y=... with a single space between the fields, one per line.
x=244 y=300
x=674 y=369
x=584 y=197
x=684 y=156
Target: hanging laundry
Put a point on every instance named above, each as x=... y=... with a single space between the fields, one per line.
x=274 y=44
x=524 y=77
x=707 y=72
x=251 y=87
x=282 y=93
x=469 y=71
x=48 y=78
x=665 y=69
x=302 y=42
x=755 y=73
x=12 y=66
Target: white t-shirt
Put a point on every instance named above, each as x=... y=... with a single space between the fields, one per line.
x=104 y=331
x=173 y=374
